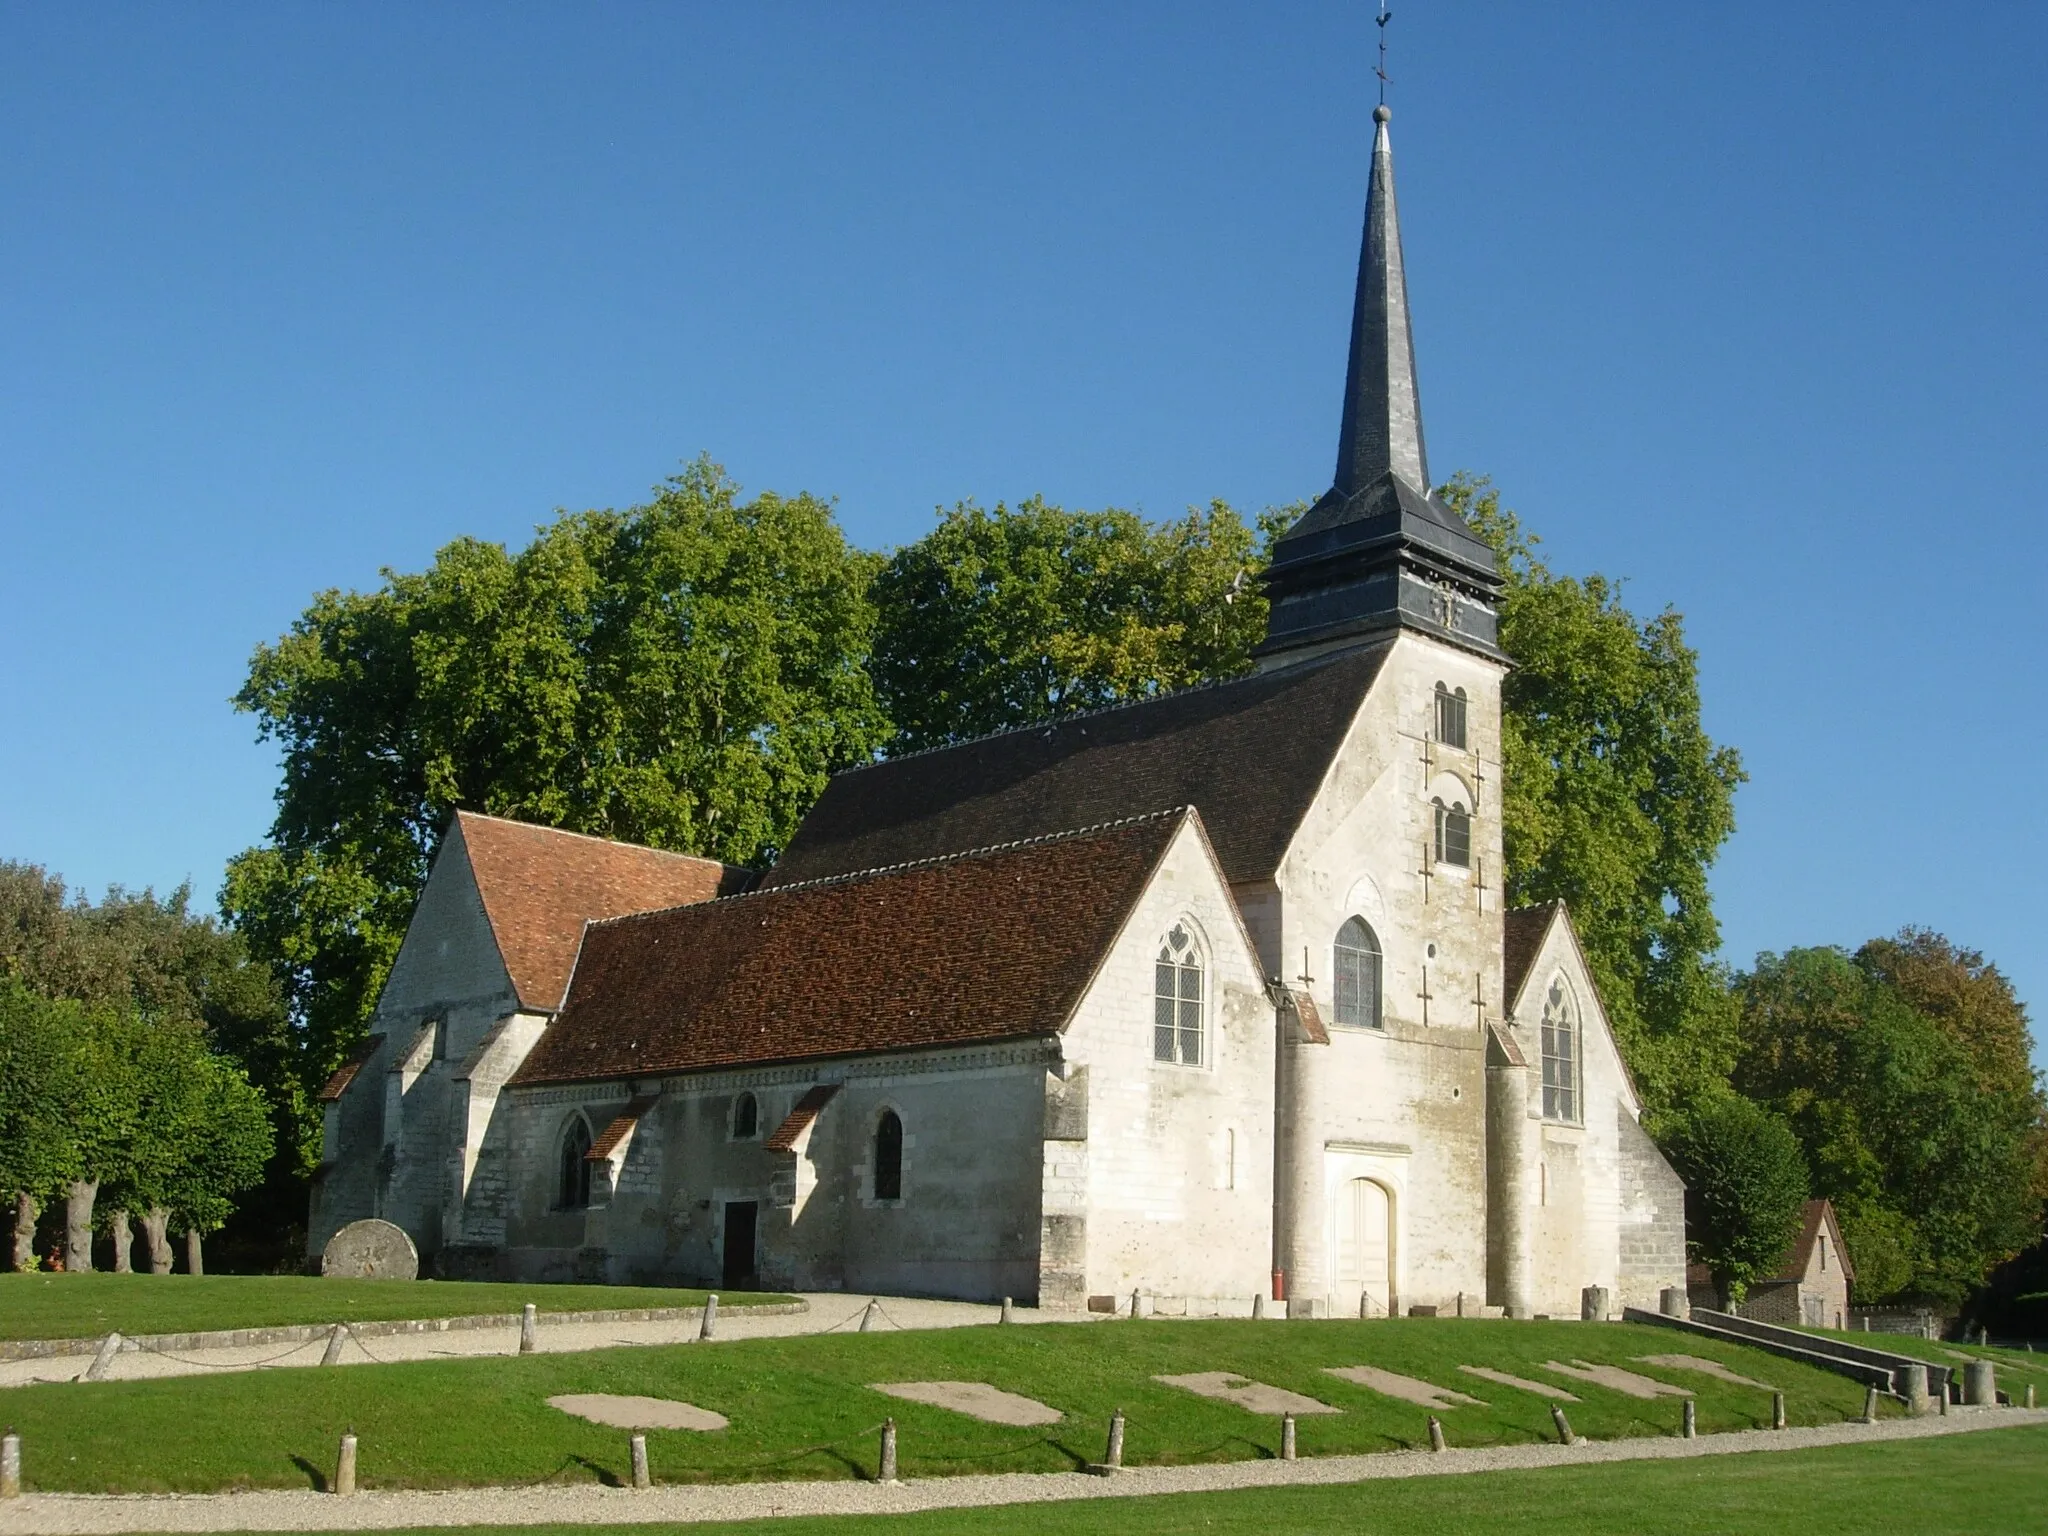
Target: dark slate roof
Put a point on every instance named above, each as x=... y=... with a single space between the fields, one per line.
x=1250 y=754
x=1525 y=928
x=995 y=944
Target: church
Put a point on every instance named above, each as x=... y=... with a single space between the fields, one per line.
x=1209 y=996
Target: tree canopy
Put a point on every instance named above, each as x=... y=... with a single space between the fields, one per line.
x=1746 y=1182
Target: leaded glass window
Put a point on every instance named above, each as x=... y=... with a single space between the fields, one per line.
x=1357 y=969
x=1177 y=1000
x=1560 y=1055
x=1450 y=717
x=573 y=1188
x=1453 y=835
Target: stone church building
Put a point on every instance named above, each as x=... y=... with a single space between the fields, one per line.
x=1204 y=996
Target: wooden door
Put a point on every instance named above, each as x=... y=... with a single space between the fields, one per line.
x=1365 y=1245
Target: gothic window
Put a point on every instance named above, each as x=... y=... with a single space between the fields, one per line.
x=572 y=1189
x=1357 y=969
x=889 y=1157
x=746 y=1117
x=1177 y=1000
x=1450 y=717
x=1453 y=834
x=1560 y=1055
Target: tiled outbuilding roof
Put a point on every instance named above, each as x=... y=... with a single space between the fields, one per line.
x=991 y=945
x=1818 y=1216
x=1525 y=928
x=540 y=886
x=1250 y=753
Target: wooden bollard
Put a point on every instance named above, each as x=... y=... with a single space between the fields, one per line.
x=1870 y=1404
x=529 y=1329
x=1436 y=1433
x=10 y=1465
x=1008 y=1316
x=1777 y=1410
x=103 y=1362
x=888 y=1472
x=345 y=1466
x=709 y=1326
x=1287 y=1437
x=332 y=1354
x=1113 y=1457
x=1688 y=1425
x=1564 y=1426
x=2030 y=1394
x=867 y=1316
x=640 y=1476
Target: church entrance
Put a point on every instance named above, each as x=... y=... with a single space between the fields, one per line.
x=1365 y=1246
x=741 y=1220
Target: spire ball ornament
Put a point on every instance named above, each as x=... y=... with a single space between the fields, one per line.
x=1383 y=113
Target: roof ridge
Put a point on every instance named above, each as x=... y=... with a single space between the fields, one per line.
x=592 y=837
x=891 y=869
x=1051 y=721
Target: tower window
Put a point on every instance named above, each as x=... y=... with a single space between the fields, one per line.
x=1177 y=1000
x=1450 y=717
x=1560 y=1055
x=889 y=1156
x=1357 y=969
x=746 y=1117
x=1453 y=835
x=572 y=1191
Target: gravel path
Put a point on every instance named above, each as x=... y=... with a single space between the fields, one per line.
x=827 y=1312
x=50 y=1514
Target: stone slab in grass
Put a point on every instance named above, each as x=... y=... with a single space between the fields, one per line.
x=637 y=1412
x=1713 y=1368
x=1616 y=1379
x=370 y=1250
x=1253 y=1396
x=1540 y=1388
x=976 y=1399
x=1407 y=1388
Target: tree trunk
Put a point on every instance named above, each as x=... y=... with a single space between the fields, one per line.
x=154 y=1222
x=124 y=1239
x=195 y=1260
x=79 y=1196
x=27 y=1211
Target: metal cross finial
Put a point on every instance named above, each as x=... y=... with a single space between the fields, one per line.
x=1382 y=19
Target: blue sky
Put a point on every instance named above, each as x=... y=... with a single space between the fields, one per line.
x=1743 y=306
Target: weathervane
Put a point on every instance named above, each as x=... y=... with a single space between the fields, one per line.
x=1383 y=18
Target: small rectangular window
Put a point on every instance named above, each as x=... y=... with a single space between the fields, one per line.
x=1453 y=836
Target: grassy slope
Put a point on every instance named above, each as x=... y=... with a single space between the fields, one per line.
x=2016 y=1367
x=41 y=1306
x=1980 y=1483
x=803 y=1407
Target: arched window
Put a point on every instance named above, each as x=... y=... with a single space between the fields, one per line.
x=1357 y=970
x=1450 y=717
x=1177 y=1000
x=889 y=1157
x=1560 y=1055
x=1453 y=834
x=746 y=1117
x=573 y=1189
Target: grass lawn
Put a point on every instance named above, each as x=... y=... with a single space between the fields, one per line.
x=804 y=1407
x=38 y=1306
x=1986 y=1482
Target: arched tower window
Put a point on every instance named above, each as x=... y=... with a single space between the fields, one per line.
x=1177 y=1000
x=889 y=1157
x=1560 y=1055
x=572 y=1190
x=1357 y=970
x=1450 y=716
x=1453 y=834
x=746 y=1117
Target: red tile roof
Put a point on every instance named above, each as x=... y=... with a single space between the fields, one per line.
x=1524 y=929
x=807 y=1109
x=991 y=945
x=1311 y=1017
x=541 y=885
x=346 y=1073
x=1800 y=1255
x=621 y=1127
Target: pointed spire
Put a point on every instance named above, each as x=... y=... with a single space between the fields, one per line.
x=1382 y=427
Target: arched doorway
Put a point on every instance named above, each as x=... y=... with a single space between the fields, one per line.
x=1365 y=1245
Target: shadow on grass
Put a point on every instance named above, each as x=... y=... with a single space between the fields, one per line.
x=603 y=1474
x=314 y=1476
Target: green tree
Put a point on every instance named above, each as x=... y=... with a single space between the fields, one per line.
x=1931 y=1172
x=38 y=1151
x=1746 y=1185
x=1615 y=800
x=998 y=618
x=685 y=674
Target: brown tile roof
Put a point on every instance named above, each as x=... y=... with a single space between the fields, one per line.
x=1800 y=1255
x=1311 y=1017
x=991 y=945
x=807 y=1109
x=1506 y=1046
x=1249 y=754
x=1525 y=928
x=541 y=885
x=621 y=1127
x=346 y=1073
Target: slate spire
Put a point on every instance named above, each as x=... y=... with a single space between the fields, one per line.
x=1378 y=552
x=1382 y=427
